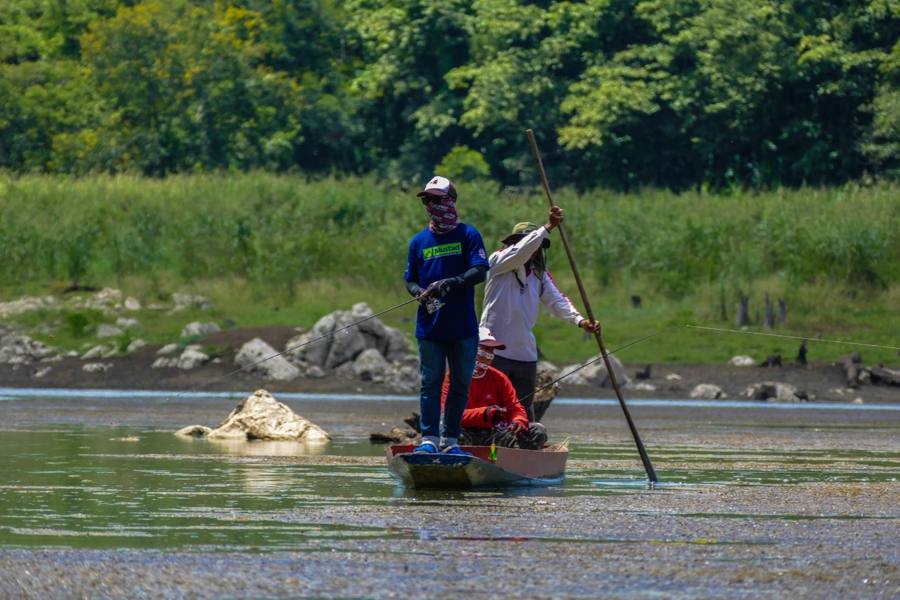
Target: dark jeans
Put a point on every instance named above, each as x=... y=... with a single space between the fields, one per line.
x=522 y=375
x=434 y=357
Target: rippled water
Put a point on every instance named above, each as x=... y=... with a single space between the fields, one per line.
x=104 y=487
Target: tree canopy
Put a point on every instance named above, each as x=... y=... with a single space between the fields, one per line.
x=623 y=93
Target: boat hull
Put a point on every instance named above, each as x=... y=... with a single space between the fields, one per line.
x=512 y=467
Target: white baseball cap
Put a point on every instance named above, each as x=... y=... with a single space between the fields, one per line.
x=486 y=338
x=438 y=186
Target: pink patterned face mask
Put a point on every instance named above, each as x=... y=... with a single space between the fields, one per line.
x=443 y=215
x=483 y=360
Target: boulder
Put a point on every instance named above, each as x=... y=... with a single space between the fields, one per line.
x=96 y=367
x=741 y=361
x=16 y=349
x=774 y=391
x=571 y=376
x=135 y=345
x=396 y=347
x=132 y=304
x=99 y=351
x=370 y=365
x=642 y=386
x=596 y=373
x=262 y=417
x=346 y=345
x=277 y=367
x=106 y=300
x=198 y=329
x=545 y=366
x=25 y=304
x=126 y=323
x=545 y=391
x=707 y=391
x=191 y=358
x=194 y=431
x=186 y=301
x=164 y=363
x=167 y=349
x=403 y=378
x=673 y=377
x=331 y=350
x=373 y=328
x=105 y=330
x=38 y=373
x=315 y=372
x=311 y=347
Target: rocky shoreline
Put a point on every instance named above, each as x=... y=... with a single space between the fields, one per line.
x=351 y=351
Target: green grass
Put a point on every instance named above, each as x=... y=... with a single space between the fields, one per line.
x=283 y=250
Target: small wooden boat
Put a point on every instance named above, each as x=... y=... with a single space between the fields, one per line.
x=509 y=467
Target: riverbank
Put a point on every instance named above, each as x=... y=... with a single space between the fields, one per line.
x=816 y=381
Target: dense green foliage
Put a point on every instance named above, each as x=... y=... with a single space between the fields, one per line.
x=624 y=93
x=280 y=250
x=283 y=231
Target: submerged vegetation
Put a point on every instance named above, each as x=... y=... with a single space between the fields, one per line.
x=281 y=249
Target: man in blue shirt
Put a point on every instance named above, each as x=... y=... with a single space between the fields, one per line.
x=446 y=260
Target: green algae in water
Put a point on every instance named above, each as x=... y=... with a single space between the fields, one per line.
x=127 y=488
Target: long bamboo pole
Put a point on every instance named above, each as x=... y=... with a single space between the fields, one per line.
x=645 y=458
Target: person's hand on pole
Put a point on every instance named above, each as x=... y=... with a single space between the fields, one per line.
x=590 y=326
x=554 y=218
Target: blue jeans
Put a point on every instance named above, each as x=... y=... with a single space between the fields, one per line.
x=434 y=356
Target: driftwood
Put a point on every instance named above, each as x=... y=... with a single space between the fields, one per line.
x=644 y=373
x=394 y=436
x=885 y=376
x=397 y=435
x=801 y=354
x=851 y=364
x=773 y=361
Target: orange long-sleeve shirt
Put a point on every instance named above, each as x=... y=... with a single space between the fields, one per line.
x=484 y=392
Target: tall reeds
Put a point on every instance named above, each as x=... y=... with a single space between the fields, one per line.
x=281 y=231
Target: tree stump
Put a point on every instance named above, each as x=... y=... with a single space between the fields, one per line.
x=801 y=354
x=769 y=318
x=743 y=316
x=851 y=364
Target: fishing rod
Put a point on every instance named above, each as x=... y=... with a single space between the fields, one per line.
x=306 y=343
x=792 y=337
x=589 y=363
x=645 y=458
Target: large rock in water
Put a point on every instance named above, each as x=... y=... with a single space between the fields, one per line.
x=262 y=417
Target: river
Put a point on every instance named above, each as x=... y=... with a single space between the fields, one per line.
x=98 y=498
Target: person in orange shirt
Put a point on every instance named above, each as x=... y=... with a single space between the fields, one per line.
x=493 y=414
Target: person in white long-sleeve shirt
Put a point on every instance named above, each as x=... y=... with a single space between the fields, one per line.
x=517 y=282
